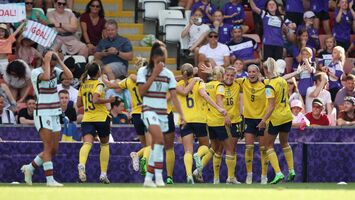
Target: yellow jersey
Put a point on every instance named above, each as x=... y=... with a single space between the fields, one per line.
x=132 y=88
x=193 y=105
x=254 y=99
x=93 y=112
x=278 y=89
x=214 y=118
x=231 y=102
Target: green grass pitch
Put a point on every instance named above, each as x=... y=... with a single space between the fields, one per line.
x=89 y=191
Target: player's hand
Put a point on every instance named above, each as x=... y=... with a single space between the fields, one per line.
x=262 y=125
x=158 y=68
x=48 y=57
x=111 y=99
x=182 y=121
x=227 y=120
x=222 y=111
x=205 y=68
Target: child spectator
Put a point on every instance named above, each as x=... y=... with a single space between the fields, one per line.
x=344 y=20
x=302 y=39
x=6 y=41
x=239 y=68
x=299 y=120
x=335 y=70
x=313 y=34
x=325 y=55
x=234 y=14
x=25 y=115
x=347 y=116
x=316 y=117
x=118 y=117
x=306 y=76
x=208 y=10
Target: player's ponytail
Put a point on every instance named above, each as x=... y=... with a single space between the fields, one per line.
x=187 y=70
x=271 y=67
x=91 y=70
x=217 y=73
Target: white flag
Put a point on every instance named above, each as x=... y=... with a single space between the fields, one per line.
x=12 y=12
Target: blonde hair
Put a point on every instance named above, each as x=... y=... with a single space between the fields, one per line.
x=341 y=54
x=270 y=65
x=255 y=66
x=187 y=70
x=308 y=50
x=230 y=68
x=217 y=73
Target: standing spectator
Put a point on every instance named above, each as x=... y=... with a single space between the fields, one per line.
x=319 y=91
x=306 y=76
x=301 y=43
x=294 y=11
x=66 y=85
x=18 y=77
x=316 y=117
x=92 y=24
x=196 y=32
x=313 y=34
x=347 y=116
x=208 y=10
x=335 y=70
x=242 y=47
x=224 y=30
x=214 y=52
x=6 y=116
x=66 y=24
x=234 y=14
x=325 y=55
x=321 y=9
x=25 y=115
x=115 y=51
x=347 y=90
x=118 y=117
x=344 y=21
x=299 y=119
x=258 y=23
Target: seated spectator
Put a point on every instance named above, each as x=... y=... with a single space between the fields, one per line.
x=293 y=92
x=208 y=10
x=6 y=116
x=196 y=32
x=68 y=107
x=18 y=77
x=294 y=11
x=347 y=116
x=347 y=90
x=239 y=68
x=92 y=24
x=234 y=14
x=214 y=52
x=34 y=14
x=25 y=115
x=66 y=85
x=335 y=70
x=66 y=24
x=26 y=52
x=299 y=120
x=242 y=47
x=44 y=4
x=123 y=95
x=224 y=30
x=344 y=20
x=306 y=76
x=321 y=8
x=316 y=116
x=325 y=55
x=313 y=34
x=77 y=69
x=115 y=51
x=319 y=91
x=118 y=117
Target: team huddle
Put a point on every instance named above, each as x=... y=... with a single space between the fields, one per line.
x=210 y=110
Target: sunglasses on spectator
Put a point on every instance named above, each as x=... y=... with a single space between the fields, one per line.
x=237 y=27
x=95 y=6
x=61 y=4
x=29 y=3
x=213 y=36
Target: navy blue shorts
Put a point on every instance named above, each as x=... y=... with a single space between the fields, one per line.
x=171 y=123
x=284 y=128
x=138 y=124
x=235 y=130
x=218 y=133
x=251 y=127
x=322 y=15
x=198 y=129
x=102 y=129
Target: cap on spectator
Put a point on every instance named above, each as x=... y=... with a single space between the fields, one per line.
x=317 y=101
x=281 y=65
x=296 y=103
x=3 y=26
x=350 y=99
x=309 y=14
x=212 y=30
x=70 y=62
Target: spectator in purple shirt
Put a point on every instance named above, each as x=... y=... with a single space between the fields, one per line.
x=208 y=9
x=302 y=40
x=234 y=14
x=325 y=55
x=294 y=11
x=321 y=9
x=238 y=64
x=335 y=70
x=258 y=24
x=224 y=30
x=344 y=21
x=306 y=76
x=313 y=33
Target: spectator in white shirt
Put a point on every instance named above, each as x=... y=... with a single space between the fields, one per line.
x=6 y=116
x=299 y=120
x=65 y=85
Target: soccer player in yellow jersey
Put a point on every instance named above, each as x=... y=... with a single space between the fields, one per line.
x=129 y=83
x=169 y=137
x=280 y=120
x=233 y=119
x=96 y=119
x=193 y=96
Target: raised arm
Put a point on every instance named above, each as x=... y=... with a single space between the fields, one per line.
x=185 y=90
x=254 y=7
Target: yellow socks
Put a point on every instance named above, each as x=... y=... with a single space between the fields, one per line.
x=289 y=157
x=84 y=152
x=202 y=151
x=264 y=161
x=217 y=159
x=271 y=155
x=249 y=155
x=188 y=163
x=104 y=156
x=207 y=157
x=231 y=162
x=170 y=161
x=146 y=152
x=140 y=152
